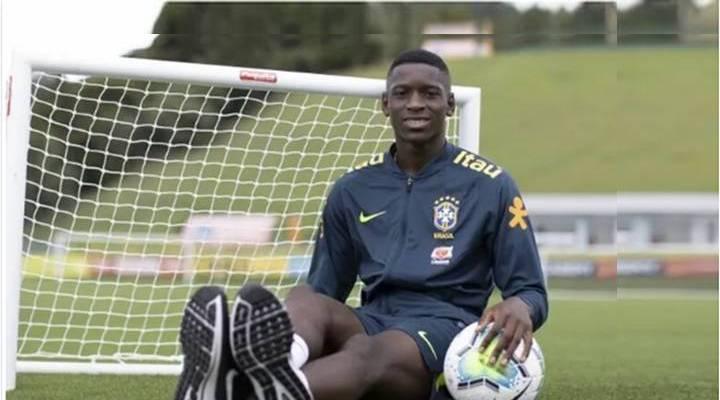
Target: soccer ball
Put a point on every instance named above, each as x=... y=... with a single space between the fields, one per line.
x=468 y=377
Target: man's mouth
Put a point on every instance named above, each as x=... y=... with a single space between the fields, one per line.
x=416 y=123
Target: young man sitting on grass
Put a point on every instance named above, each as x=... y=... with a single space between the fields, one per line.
x=428 y=227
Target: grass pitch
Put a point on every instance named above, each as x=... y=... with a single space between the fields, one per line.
x=664 y=348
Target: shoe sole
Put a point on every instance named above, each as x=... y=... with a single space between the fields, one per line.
x=201 y=337
x=261 y=335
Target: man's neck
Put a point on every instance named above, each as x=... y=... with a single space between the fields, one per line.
x=412 y=158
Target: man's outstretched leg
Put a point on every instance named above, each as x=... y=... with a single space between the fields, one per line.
x=261 y=336
x=344 y=362
x=208 y=369
x=384 y=366
x=388 y=365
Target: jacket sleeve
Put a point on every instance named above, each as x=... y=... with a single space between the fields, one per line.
x=517 y=269
x=334 y=265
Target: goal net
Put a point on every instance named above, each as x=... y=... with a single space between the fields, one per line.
x=145 y=180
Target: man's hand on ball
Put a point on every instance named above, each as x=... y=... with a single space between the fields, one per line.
x=511 y=324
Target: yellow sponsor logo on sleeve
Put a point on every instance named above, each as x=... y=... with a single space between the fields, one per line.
x=519 y=213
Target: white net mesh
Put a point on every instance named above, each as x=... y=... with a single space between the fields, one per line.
x=139 y=192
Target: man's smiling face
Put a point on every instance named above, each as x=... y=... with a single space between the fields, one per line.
x=418 y=100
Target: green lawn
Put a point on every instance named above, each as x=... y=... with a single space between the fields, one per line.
x=589 y=120
x=606 y=349
x=644 y=349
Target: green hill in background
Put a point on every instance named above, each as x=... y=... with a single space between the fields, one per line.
x=630 y=119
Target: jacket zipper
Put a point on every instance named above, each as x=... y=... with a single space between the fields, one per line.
x=408 y=190
x=403 y=226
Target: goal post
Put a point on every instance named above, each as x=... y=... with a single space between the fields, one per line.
x=129 y=183
x=13 y=162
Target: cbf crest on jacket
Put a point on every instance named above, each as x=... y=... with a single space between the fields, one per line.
x=447 y=236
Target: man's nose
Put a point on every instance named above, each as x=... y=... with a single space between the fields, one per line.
x=416 y=101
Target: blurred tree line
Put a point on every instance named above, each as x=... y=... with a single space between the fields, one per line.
x=302 y=37
x=333 y=36
x=590 y=23
x=76 y=152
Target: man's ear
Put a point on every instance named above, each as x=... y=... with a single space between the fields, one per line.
x=384 y=100
x=451 y=104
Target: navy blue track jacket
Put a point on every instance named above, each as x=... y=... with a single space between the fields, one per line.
x=440 y=239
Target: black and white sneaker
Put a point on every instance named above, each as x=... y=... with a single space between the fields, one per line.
x=260 y=337
x=208 y=369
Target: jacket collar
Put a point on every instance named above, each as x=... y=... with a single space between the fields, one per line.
x=432 y=167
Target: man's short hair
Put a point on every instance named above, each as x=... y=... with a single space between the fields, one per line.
x=419 y=56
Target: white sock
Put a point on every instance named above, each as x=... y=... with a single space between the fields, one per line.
x=303 y=379
x=299 y=353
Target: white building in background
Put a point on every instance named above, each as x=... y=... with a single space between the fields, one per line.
x=459 y=40
x=626 y=220
x=629 y=234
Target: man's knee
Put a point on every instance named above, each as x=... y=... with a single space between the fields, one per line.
x=300 y=293
x=304 y=303
x=329 y=321
x=306 y=309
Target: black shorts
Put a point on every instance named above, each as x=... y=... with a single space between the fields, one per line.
x=432 y=335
